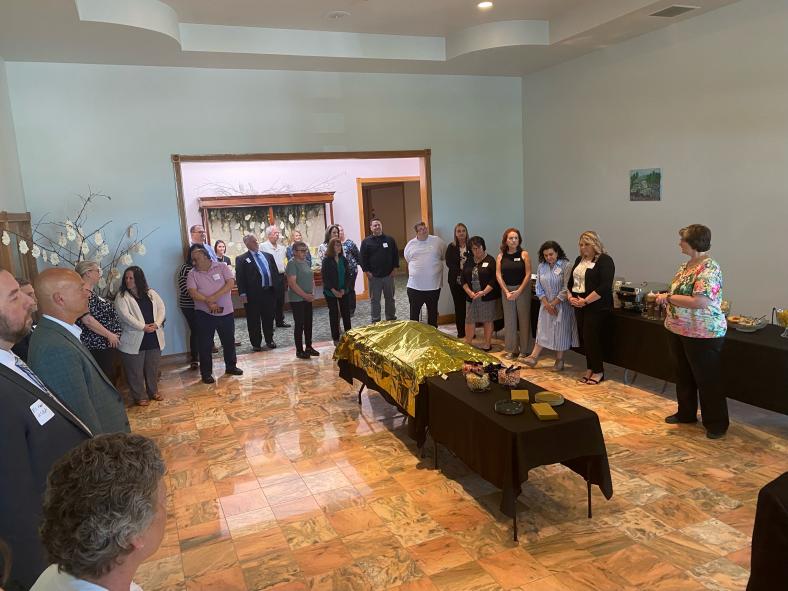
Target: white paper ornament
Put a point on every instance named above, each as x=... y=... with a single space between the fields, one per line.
x=98 y=238
x=248 y=217
x=23 y=247
x=54 y=259
x=6 y=238
x=141 y=250
x=85 y=248
x=126 y=259
x=102 y=283
x=61 y=240
x=36 y=252
x=44 y=256
x=71 y=234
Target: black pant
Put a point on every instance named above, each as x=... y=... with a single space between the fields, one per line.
x=208 y=324
x=592 y=328
x=458 y=295
x=417 y=298
x=699 y=374
x=106 y=361
x=337 y=306
x=302 y=319
x=194 y=347
x=260 y=313
x=279 y=296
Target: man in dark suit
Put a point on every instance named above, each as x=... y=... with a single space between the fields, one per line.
x=37 y=429
x=257 y=278
x=62 y=361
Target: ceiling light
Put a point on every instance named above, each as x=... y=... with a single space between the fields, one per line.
x=337 y=14
x=485 y=5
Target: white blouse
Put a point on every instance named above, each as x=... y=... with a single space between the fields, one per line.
x=579 y=276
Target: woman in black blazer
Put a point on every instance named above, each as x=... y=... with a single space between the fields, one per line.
x=591 y=294
x=336 y=287
x=481 y=292
x=457 y=255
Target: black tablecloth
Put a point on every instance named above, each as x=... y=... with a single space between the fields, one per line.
x=502 y=449
x=769 y=565
x=754 y=365
x=417 y=426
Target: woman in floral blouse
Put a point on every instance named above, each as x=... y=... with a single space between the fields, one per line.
x=101 y=325
x=697 y=329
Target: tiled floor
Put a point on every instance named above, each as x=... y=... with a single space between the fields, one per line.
x=278 y=480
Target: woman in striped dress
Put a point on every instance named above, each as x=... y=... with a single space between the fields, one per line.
x=556 y=328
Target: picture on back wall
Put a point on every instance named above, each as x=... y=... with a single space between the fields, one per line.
x=645 y=184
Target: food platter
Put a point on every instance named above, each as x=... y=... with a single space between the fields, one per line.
x=747 y=323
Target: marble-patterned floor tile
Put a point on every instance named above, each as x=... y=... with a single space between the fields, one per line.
x=271 y=571
x=250 y=522
x=677 y=512
x=558 y=552
x=681 y=550
x=588 y=575
x=208 y=558
x=297 y=510
x=460 y=516
x=741 y=557
x=370 y=541
x=259 y=543
x=637 y=565
x=466 y=577
x=322 y=558
x=718 y=536
x=639 y=524
x=416 y=531
x=160 y=574
x=485 y=539
x=638 y=491
x=327 y=480
x=353 y=520
x=243 y=502
x=439 y=554
x=712 y=502
x=314 y=530
x=227 y=579
x=514 y=567
x=345 y=578
x=390 y=568
x=721 y=575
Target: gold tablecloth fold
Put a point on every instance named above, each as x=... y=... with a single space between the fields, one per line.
x=400 y=355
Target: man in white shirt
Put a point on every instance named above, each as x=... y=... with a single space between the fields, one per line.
x=424 y=255
x=37 y=428
x=279 y=252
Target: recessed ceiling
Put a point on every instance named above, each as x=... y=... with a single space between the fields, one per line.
x=513 y=38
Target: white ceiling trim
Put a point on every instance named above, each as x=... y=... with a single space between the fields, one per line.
x=143 y=14
x=498 y=34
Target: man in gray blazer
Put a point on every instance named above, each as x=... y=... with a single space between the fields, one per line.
x=64 y=364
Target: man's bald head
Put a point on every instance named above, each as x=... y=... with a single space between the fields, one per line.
x=62 y=294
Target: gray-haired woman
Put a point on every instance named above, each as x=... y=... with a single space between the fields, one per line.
x=104 y=513
x=100 y=326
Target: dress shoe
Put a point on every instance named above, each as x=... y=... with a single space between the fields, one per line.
x=283 y=325
x=194 y=365
x=257 y=349
x=311 y=352
x=141 y=402
x=271 y=345
x=157 y=397
x=208 y=380
x=302 y=355
x=234 y=371
x=715 y=434
x=510 y=356
x=675 y=420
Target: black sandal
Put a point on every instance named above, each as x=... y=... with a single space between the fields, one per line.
x=592 y=382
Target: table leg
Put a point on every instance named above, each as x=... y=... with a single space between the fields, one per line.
x=360 y=390
x=588 y=488
x=514 y=525
x=436 y=454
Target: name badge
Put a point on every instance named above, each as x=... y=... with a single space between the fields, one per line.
x=248 y=260
x=41 y=412
x=385 y=245
x=591 y=265
x=517 y=260
x=216 y=277
x=485 y=264
x=557 y=271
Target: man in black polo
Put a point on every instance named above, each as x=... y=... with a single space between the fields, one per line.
x=379 y=260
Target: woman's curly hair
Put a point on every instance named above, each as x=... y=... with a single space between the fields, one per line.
x=100 y=496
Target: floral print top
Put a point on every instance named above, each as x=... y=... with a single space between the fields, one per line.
x=704 y=323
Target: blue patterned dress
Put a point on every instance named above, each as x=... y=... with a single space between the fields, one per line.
x=557 y=333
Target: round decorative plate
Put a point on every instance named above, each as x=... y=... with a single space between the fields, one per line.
x=551 y=398
x=509 y=407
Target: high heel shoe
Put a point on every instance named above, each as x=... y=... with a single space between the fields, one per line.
x=593 y=381
x=529 y=361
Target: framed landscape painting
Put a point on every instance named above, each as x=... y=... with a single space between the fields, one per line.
x=645 y=184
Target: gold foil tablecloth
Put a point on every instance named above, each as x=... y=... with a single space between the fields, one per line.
x=400 y=355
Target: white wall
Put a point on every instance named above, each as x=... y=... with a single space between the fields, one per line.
x=115 y=127
x=12 y=197
x=707 y=101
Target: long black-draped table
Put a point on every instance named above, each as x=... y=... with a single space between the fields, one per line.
x=503 y=448
x=754 y=365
